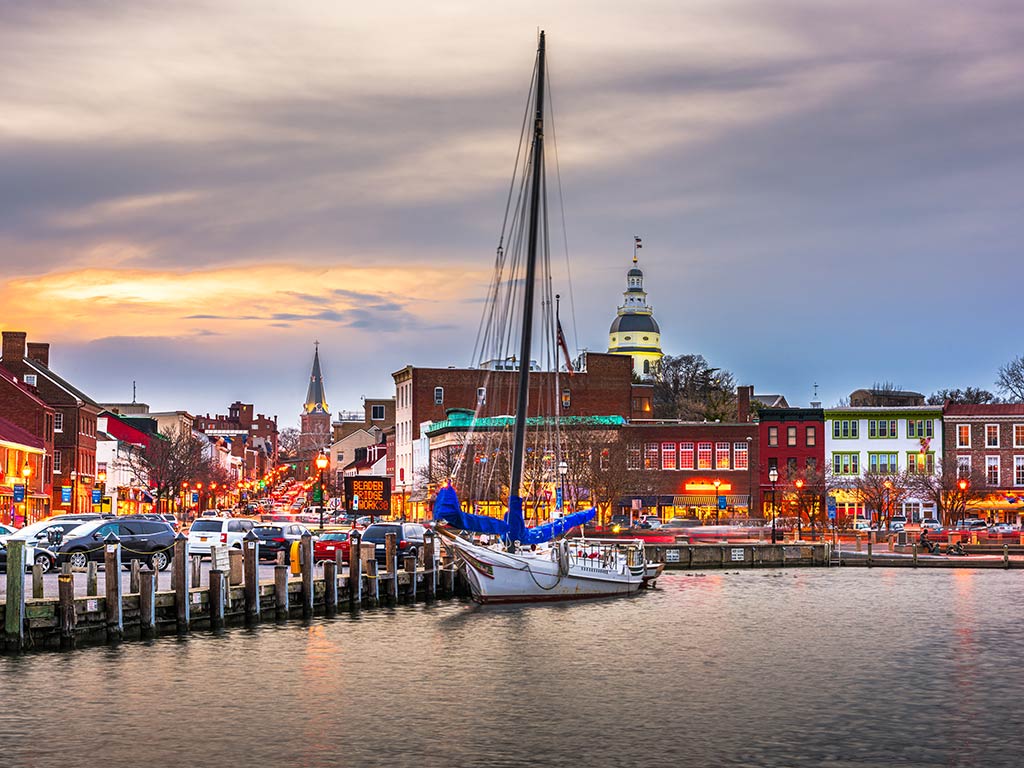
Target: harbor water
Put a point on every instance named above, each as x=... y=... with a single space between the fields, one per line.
x=814 y=667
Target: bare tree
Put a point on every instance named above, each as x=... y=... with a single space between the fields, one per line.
x=166 y=463
x=805 y=494
x=1010 y=380
x=687 y=387
x=881 y=492
x=288 y=442
x=943 y=489
x=969 y=396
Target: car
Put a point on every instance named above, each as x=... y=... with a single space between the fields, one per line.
x=165 y=517
x=931 y=524
x=207 y=532
x=40 y=556
x=860 y=524
x=1003 y=528
x=48 y=533
x=682 y=522
x=971 y=524
x=147 y=540
x=329 y=544
x=897 y=523
x=278 y=537
x=7 y=530
x=652 y=523
x=408 y=537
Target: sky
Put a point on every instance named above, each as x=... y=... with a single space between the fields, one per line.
x=192 y=193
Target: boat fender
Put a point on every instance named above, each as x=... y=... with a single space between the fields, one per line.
x=563 y=558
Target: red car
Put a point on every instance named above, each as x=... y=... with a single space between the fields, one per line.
x=327 y=546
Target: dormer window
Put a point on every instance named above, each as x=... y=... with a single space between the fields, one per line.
x=30 y=379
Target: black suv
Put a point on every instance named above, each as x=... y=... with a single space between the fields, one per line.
x=141 y=539
x=408 y=537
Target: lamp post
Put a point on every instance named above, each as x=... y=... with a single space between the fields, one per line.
x=184 y=502
x=799 y=483
x=717 y=484
x=74 y=478
x=321 y=464
x=773 y=477
x=963 y=484
x=563 y=470
x=101 y=479
x=26 y=473
x=887 y=485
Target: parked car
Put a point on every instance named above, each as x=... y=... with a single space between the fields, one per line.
x=327 y=546
x=860 y=524
x=682 y=522
x=1003 y=528
x=971 y=524
x=897 y=523
x=278 y=537
x=408 y=536
x=931 y=524
x=7 y=530
x=149 y=540
x=209 y=532
x=39 y=556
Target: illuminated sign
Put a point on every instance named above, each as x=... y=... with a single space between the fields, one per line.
x=374 y=493
x=703 y=486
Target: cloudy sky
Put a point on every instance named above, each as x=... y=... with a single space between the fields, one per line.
x=191 y=193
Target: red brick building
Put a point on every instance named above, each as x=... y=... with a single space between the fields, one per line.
x=74 y=422
x=253 y=438
x=21 y=407
x=792 y=442
x=988 y=443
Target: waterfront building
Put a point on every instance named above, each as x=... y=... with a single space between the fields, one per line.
x=21 y=407
x=634 y=331
x=792 y=442
x=22 y=484
x=882 y=439
x=602 y=386
x=121 y=481
x=988 y=442
x=74 y=422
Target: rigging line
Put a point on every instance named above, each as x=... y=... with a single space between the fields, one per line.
x=561 y=209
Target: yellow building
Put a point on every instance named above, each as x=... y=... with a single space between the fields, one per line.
x=634 y=331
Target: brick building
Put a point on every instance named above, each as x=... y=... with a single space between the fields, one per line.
x=988 y=442
x=792 y=442
x=74 y=422
x=602 y=387
x=22 y=408
x=252 y=438
x=377 y=412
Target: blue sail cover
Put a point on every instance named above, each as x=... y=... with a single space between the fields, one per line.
x=447 y=509
x=517 y=530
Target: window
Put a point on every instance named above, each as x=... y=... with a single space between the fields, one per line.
x=991 y=435
x=992 y=470
x=481 y=396
x=633 y=457
x=686 y=455
x=791 y=467
x=919 y=463
x=30 y=379
x=647 y=366
x=963 y=435
x=668 y=455
x=57 y=463
x=703 y=455
x=883 y=463
x=376 y=413
x=740 y=456
x=1018 y=471
x=791 y=437
x=812 y=463
x=58 y=422
x=1018 y=435
x=882 y=428
x=438 y=395
x=920 y=428
x=846 y=463
x=811 y=437
x=721 y=455
x=566 y=399
x=651 y=456
x=605 y=460
x=844 y=429
x=773 y=436
x=963 y=466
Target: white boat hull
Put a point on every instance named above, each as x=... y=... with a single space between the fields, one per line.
x=496 y=576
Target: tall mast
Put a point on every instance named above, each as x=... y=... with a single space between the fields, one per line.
x=522 y=404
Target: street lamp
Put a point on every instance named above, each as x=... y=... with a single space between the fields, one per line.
x=773 y=477
x=717 y=483
x=799 y=483
x=74 y=477
x=26 y=473
x=887 y=485
x=963 y=484
x=563 y=470
x=321 y=464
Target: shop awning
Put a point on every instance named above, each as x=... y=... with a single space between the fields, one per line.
x=6 y=490
x=703 y=500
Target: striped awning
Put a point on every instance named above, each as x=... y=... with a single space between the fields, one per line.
x=709 y=500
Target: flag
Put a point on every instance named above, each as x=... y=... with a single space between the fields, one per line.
x=637 y=242
x=565 y=349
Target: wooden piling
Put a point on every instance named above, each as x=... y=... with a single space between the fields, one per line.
x=281 y=592
x=331 y=587
x=915 y=555
x=92 y=588
x=307 y=567
x=66 y=616
x=410 y=568
x=37 y=581
x=147 y=602
x=1006 y=556
x=133 y=582
x=372 y=583
x=869 y=551
x=236 y=568
x=251 y=575
x=217 y=591
x=65 y=568
x=112 y=587
x=391 y=565
x=196 y=575
x=430 y=576
x=182 y=604
x=14 y=614
x=355 y=570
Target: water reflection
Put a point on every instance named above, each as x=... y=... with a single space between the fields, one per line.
x=801 y=668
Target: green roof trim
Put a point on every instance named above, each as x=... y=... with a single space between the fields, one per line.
x=460 y=419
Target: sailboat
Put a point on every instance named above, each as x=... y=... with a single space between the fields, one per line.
x=536 y=563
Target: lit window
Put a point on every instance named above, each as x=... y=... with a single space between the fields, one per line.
x=791 y=436
x=1018 y=471
x=963 y=466
x=1018 y=435
x=633 y=457
x=773 y=436
x=992 y=470
x=991 y=435
x=722 y=455
x=703 y=455
x=740 y=456
x=668 y=455
x=686 y=455
x=566 y=399
x=963 y=435
x=651 y=456
x=811 y=437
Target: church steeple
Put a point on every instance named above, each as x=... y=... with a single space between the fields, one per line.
x=316 y=400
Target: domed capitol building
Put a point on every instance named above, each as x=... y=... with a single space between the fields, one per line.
x=634 y=331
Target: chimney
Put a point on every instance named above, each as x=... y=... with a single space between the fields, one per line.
x=14 y=346
x=743 y=397
x=39 y=352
